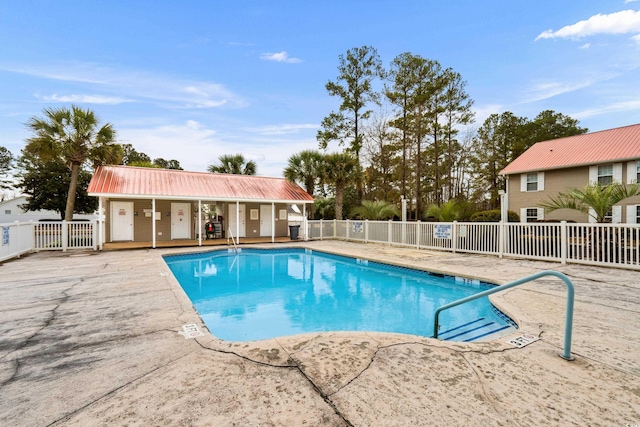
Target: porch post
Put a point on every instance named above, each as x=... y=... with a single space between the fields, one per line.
x=153 y=223
x=199 y=222
x=273 y=222
x=238 y=221
x=304 y=221
x=100 y=222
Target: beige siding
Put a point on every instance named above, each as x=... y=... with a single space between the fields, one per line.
x=557 y=181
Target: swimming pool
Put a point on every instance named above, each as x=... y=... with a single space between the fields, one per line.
x=265 y=293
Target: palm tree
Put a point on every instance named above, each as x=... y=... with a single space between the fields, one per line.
x=234 y=164
x=73 y=136
x=378 y=209
x=446 y=212
x=594 y=199
x=340 y=169
x=304 y=167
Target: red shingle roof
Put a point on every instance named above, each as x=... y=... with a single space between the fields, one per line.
x=613 y=145
x=135 y=182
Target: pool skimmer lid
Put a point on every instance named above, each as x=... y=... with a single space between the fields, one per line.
x=523 y=340
x=191 y=331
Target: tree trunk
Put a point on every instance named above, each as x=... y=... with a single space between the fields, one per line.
x=338 y=201
x=73 y=186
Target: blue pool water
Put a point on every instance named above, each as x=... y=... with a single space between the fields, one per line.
x=258 y=294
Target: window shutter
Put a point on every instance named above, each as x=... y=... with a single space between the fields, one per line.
x=523 y=182
x=523 y=214
x=540 y=214
x=631 y=214
x=593 y=175
x=632 y=172
x=540 y=181
x=592 y=215
x=616 y=215
x=617 y=172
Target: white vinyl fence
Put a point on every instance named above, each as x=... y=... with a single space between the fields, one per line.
x=614 y=245
x=22 y=237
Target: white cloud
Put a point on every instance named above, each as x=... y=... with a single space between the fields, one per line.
x=136 y=85
x=84 y=99
x=629 y=1
x=585 y=46
x=285 y=129
x=549 y=89
x=618 y=107
x=196 y=146
x=279 y=57
x=623 y=22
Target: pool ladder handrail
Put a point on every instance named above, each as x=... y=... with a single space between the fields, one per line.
x=232 y=240
x=568 y=324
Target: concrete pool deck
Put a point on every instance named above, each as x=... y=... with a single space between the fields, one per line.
x=92 y=339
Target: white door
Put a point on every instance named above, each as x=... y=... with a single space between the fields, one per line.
x=265 y=220
x=180 y=223
x=232 y=221
x=121 y=221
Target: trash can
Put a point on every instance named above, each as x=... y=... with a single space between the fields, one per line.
x=293 y=231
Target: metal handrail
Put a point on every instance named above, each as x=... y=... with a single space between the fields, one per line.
x=568 y=324
x=232 y=239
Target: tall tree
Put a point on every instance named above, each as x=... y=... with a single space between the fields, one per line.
x=234 y=164
x=305 y=168
x=497 y=143
x=131 y=156
x=73 y=136
x=457 y=112
x=340 y=169
x=380 y=148
x=6 y=164
x=167 y=164
x=354 y=85
x=46 y=185
x=551 y=125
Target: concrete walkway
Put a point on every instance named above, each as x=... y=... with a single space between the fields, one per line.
x=92 y=339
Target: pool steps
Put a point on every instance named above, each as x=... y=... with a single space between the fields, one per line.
x=473 y=330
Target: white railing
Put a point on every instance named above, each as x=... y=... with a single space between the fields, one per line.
x=616 y=245
x=22 y=237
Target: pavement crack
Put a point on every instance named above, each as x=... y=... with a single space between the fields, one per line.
x=115 y=390
x=52 y=316
x=294 y=366
x=16 y=368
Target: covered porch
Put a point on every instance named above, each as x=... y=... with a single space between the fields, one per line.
x=145 y=207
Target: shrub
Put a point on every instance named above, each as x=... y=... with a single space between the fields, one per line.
x=493 y=216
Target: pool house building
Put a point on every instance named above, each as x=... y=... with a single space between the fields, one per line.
x=150 y=206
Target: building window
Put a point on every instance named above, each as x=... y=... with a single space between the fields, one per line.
x=638 y=172
x=7 y=211
x=638 y=214
x=605 y=174
x=608 y=217
x=532 y=214
x=532 y=182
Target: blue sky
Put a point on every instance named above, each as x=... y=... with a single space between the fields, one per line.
x=193 y=80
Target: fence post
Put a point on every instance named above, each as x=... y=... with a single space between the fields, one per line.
x=563 y=242
x=321 y=226
x=454 y=236
x=94 y=234
x=389 y=231
x=335 y=228
x=347 y=233
x=65 y=235
x=501 y=237
x=366 y=231
x=418 y=232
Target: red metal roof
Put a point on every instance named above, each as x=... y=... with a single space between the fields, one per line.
x=136 y=182
x=613 y=145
